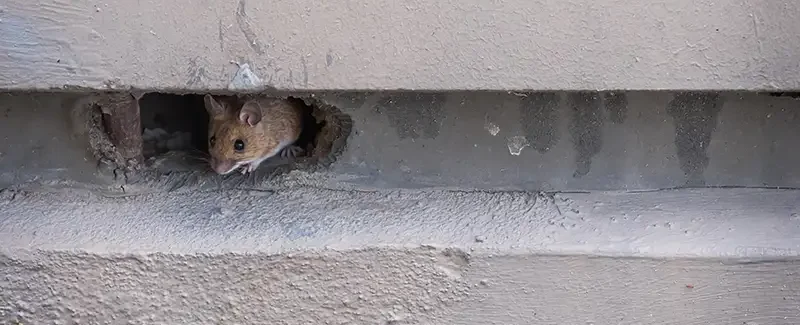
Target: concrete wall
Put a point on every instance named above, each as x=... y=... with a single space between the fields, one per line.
x=367 y=44
x=477 y=206
x=415 y=224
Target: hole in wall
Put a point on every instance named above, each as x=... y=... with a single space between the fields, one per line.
x=173 y=123
x=175 y=131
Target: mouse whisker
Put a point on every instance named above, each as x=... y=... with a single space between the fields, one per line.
x=204 y=159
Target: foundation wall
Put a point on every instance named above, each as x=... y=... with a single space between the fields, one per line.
x=388 y=45
x=514 y=162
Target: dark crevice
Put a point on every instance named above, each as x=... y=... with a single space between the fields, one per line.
x=173 y=123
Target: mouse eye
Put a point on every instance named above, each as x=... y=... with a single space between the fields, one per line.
x=238 y=145
x=212 y=141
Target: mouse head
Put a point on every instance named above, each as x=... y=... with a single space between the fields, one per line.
x=234 y=135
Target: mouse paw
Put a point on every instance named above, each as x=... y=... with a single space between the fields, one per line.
x=251 y=168
x=244 y=169
x=292 y=152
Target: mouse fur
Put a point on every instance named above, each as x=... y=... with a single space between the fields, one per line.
x=245 y=133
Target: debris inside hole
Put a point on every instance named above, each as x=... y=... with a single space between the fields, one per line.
x=172 y=123
x=178 y=125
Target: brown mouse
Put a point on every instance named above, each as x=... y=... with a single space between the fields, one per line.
x=243 y=136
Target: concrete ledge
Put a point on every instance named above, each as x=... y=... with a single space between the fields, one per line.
x=740 y=223
x=310 y=256
x=380 y=45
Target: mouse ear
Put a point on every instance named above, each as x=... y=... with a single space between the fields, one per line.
x=250 y=113
x=213 y=107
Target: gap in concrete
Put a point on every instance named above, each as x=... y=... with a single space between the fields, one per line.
x=558 y=141
x=179 y=123
x=172 y=122
x=174 y=133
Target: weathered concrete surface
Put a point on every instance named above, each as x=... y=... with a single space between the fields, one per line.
x=740 y=223
x=393 y=286
x=488 y=141
x=379 y=45
x=572 y=141
x=43 y=142
x=309 y=256
x=328 y=248
x=414 y=224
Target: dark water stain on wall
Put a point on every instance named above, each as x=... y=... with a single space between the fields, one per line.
x=585 y=128
x=695 y=117
x=539 y=114
x=781 y=135
x=414 y=115
x=616 y=104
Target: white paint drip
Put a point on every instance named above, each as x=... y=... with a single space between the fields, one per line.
x=244 y=78
x=492 y=128
x=516 y=144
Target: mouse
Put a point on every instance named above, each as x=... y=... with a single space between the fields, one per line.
x=243 y=133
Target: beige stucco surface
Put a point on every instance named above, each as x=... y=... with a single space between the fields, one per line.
x=365 y=44
x=312 y=256
x=304 y=254
x=394 y=286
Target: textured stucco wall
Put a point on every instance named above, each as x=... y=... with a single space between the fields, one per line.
x=392 y=287
x=386 y=44
x=315 y=256
x=362 y=242
x=415 y=223
x=411 y=225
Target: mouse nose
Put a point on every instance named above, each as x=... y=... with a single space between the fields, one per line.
x=222 y=167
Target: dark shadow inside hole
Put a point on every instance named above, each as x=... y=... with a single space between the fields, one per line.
x=311 y=128
x=173 y=122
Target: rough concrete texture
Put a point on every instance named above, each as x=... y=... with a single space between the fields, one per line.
x=669 y=223
x=44 y=142
x=309 y=256
x=393 y=286
x=379 y=45
x=415 y=223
